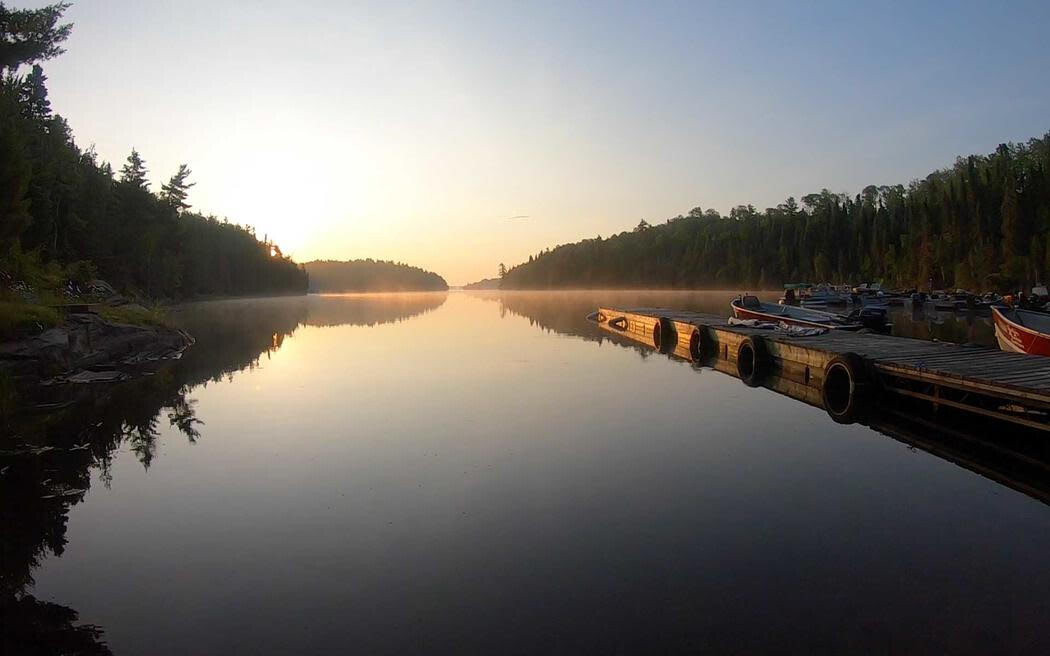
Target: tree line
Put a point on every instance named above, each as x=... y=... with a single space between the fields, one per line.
x=982 y=224
x=66 y=214
x=371 y=276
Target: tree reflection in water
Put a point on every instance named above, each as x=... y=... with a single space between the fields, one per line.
x=48 y=456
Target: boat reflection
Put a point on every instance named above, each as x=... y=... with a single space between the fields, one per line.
x=48 y=464
x=566 y=312
x=1016 y=458
x=963 y=327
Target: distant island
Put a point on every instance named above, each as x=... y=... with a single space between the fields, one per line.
x=487 y=283
x=983 y=224
x=371 y=276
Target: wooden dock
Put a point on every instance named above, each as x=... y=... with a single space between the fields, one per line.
x=848 y=373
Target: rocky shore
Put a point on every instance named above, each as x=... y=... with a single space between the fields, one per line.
x=87 y=348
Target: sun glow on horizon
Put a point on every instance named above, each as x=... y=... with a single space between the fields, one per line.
x=411 y=133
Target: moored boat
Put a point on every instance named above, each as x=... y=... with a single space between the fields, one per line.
x=809 y=295
x=824 y=294
x=795 y=293
x=750 y=307
x=1022 y=331
x=940 y=301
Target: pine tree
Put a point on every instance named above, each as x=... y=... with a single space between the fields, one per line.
x=1013 y=267
x=32 y=96
x=30 y=35
x=134 y=172
x=15 y=176
x=174 y=193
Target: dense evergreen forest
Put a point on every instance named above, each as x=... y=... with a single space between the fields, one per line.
x=486 y=283
x=983 y=224
x=65 y=215
x=371 y=276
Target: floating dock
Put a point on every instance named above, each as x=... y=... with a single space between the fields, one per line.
x=849 y=373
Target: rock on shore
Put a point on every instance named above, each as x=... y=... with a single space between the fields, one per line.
x=85 y=341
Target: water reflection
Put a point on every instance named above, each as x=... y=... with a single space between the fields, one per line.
x=370 y=309
x=967 y=327
x=461 y=482
x=565 y=312
x=46 y=462
x=1016 y=458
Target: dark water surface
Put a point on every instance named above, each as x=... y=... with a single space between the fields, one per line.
x=488 y=473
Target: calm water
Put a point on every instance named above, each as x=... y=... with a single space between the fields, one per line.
x=489 y=474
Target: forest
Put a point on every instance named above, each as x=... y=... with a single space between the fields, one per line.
x=483 y=284
x=371 y=276
x=982 y=224
x=66 y=217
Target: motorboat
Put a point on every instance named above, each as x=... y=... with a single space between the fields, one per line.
x=824 y=295
x=942 y=301
x=1022 y=331
x=750 y=307
x=795 y=293
x=918 y=299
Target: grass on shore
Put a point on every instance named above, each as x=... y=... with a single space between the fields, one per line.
x=135 y=315
x=18 y=320
x=21 y=319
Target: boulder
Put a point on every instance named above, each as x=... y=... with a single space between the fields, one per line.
x=101 y=288
x=84 y=341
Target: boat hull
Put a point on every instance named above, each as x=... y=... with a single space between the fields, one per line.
x=1017 y=338
x=747 y=313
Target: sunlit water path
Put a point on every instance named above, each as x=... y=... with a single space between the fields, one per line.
x=487 y=474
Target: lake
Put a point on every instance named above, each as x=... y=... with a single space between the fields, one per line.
x=490 y=473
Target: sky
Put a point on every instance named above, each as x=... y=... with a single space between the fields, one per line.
x=415 y=131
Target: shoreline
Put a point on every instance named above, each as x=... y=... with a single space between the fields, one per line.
x=737 y=290
x=208 y=298
x=85 y=347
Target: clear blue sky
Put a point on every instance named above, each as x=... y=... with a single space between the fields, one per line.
x=410 y=131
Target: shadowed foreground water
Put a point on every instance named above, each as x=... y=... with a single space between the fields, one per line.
x=487 y=473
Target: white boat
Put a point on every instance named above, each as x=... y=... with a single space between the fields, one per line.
x=750 y=307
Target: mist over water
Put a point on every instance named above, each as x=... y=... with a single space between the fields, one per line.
x=490 y=473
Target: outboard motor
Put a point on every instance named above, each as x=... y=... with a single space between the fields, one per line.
x=751 y=302
x=873 y=318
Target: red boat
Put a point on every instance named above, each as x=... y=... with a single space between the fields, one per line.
x=1022 y=331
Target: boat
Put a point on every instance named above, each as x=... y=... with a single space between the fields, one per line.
x=795 y=293
x=970 y=302
x=750 y=307
x=824 y=294
x=918 y=299
x=991 y=298
x=1022 y=331
x=941 y=301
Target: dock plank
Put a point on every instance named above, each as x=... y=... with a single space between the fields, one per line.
x=979 y=369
